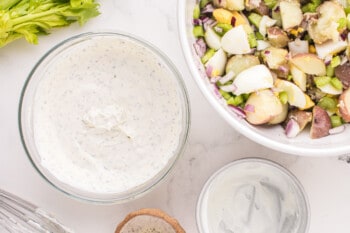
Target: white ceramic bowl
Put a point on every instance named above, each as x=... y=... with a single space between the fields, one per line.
x=272 y=137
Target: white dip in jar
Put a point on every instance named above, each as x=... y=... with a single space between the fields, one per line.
x=108 y=115
x=252 y=196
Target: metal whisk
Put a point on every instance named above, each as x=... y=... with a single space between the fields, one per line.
x=18 y=215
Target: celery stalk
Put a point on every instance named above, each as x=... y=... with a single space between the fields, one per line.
x=29 y=19
x=7 y=4
x=255 y=19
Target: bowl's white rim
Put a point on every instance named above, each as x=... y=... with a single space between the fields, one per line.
x=286 y=148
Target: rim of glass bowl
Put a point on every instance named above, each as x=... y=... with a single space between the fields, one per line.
x=29 y=145
x=294 y=181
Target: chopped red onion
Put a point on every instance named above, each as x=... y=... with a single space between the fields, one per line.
x=200 y=47
x=204 y=18
x=229 y=88
x=233 y=21
x=284 y=69
x=209 y=70
x=237 y=110
x=227 y=77
x=209 y=23
x=266 y=52
x=344 y=35
x=197 y=22
x=216 y=91
x=327 y=60
x=277 y=9
x=292 y=128
x=338 y=129
x=208 y=9
x=215 y=79
x=249 y=108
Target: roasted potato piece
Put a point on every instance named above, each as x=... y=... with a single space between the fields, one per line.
x=301 y=117
x=262 y=107
x=275 y=57
x=343 y=73
x=321 y=123
x=277 y=37
x=326 y=26
x=238 y=63
x=280 y=117
x=262 y=9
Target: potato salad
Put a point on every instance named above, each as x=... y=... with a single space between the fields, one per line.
x=279 y=62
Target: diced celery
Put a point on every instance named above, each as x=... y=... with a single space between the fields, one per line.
x=227 y=96
x=336 y=121
x=196 y=11
x=329 y=71
x=259 y=36
x=270 y=3
x=224 y=26
x=252 y=40
x=342 y=23
x=208 y=54
x=321 y=80
x=283 y=96
x=335 y=61
x=239 y=99
x=336 y=83
x=311 y=7
x=198 y=31
x=236 y=100
x=255 y=19
x=347 y=10
x=327 y=103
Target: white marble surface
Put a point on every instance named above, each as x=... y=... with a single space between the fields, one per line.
x=212 y=142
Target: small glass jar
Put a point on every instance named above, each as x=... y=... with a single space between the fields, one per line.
x=252 y=196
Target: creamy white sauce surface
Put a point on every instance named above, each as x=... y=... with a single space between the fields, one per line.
x=107 y=115
x=252 y=197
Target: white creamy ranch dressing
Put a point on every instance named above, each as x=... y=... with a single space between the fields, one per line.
x=107 y=116
x=252 y=197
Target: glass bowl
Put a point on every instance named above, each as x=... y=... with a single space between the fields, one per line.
x=272 y=137
x=104 y=116
x=253 y=195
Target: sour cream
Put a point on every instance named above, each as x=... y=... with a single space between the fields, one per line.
x=108 y=115
x=252 y=196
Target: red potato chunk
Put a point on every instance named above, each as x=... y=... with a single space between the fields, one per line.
x=309 y=63
x=343 y=73
x=301 y=117
x=262 y=107
x=321 y=123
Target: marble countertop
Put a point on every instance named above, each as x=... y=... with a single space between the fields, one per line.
x=210 y=145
